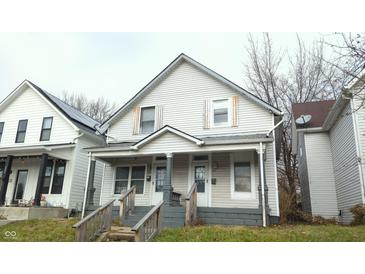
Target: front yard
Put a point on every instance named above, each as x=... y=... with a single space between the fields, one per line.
x=283 y=233
x=60 y=230
x=55 y=230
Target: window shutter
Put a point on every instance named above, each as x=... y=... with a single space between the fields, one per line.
x=206 y=114
x=159 y=117
x=136 y=117
x=235 y=100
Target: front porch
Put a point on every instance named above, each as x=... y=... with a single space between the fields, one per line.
x=31 y=180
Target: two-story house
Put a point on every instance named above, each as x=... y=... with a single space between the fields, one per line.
x=329 y=140
x=42 y=156
x=192 y=127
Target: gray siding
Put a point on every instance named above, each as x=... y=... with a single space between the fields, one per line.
x=343 y=144
x=303 y=174
x=321 y=175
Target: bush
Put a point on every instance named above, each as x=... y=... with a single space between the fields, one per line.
x=302 y=217
x=358 y=212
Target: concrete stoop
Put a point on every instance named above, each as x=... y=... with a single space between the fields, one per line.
x=28 y=213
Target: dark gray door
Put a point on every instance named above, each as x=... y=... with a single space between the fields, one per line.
x=21 y=181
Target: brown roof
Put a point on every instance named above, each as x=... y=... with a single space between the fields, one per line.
x=319 y=111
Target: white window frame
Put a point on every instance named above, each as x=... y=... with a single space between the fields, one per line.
x=140 y=119
x=243 y=195
x=130 y=178
x=229 y=113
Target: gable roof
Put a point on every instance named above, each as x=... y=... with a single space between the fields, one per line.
x=318 y=110
x=164 y=130
x=78 y=118
x=184 y=58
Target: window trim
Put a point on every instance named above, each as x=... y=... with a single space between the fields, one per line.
x=242 y=195
x=229 y=113
x=130 y=178
x=2 y=132
x=17 y=132
x=42 y=129
x=140 y=119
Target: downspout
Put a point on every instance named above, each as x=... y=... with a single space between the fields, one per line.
x=86 y=187
x=262 y=187
x=271 y=130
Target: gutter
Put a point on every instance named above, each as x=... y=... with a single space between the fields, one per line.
x=271 y=130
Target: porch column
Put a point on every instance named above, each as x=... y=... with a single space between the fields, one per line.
x=167 y=187
x=91 y=188
x=262 y=187
x=5 y=179
x=40 y=181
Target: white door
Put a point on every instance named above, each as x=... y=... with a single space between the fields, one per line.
x=200 y=177
x=158 y=181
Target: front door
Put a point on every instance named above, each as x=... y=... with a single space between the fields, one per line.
x=200 y=177
x=20 y=183
x=159 y=179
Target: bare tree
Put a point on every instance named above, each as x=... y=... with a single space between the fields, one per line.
x=348 y=57
x=282 y=79
x=99 y=109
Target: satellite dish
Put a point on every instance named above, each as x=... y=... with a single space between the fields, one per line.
x=303 y=119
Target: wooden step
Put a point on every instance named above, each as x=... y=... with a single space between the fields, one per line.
x=120 y=234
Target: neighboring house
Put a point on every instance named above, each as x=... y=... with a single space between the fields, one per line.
x=42 y=141
x=191 y=125
x=330 y=147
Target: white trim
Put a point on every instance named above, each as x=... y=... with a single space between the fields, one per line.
x=242 y=195
x=130 y=166
x=86 y=187
x=262 y=176
x=228 y=124
x=275 y=171
x=140 y=116
x=102 y=184
x=210 y=176
x=162 y=131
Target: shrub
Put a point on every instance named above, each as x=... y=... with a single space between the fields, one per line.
x=358 y=212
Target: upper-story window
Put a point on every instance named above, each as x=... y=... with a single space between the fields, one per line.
x=1 y=130
x=220 y=112
x=147 y=124
x=22 y=129
x=46 y=128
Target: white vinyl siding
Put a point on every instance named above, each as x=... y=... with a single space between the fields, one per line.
x=36 y=109
x=348 y=185
x=183 y=95
x=321 y=175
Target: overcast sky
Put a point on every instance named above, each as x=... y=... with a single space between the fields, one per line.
x=117 y=65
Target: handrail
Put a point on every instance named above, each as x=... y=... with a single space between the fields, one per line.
x=127 y=202
x=149 y=226
x=191 y=213
x=92 y=225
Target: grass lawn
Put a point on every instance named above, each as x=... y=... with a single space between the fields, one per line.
x=52 y=230
x=284 y=233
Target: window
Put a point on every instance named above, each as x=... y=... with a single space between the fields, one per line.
x=220 y=112
x=58 y=177
x=147 y=120
x=128 y=176
x=242 y=177
x=121 y=180
x=22 y=129
x=47 y=177
x=1 y=130
x=46 y=128
x=137 y=179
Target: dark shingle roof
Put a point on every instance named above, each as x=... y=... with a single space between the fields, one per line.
x=75 y=115
x=319 y=111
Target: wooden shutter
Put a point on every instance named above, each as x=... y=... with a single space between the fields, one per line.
x=158 y=117
x=136 y=118
x=235 y=110
x=206 y=113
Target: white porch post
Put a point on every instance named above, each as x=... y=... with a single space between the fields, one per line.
x=86 y=187
x=262 y=182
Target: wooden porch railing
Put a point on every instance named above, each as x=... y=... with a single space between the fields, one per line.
x=95 y=223
x=127 y=202
x=175 y=198
x=191 y=214
x=149 y=226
